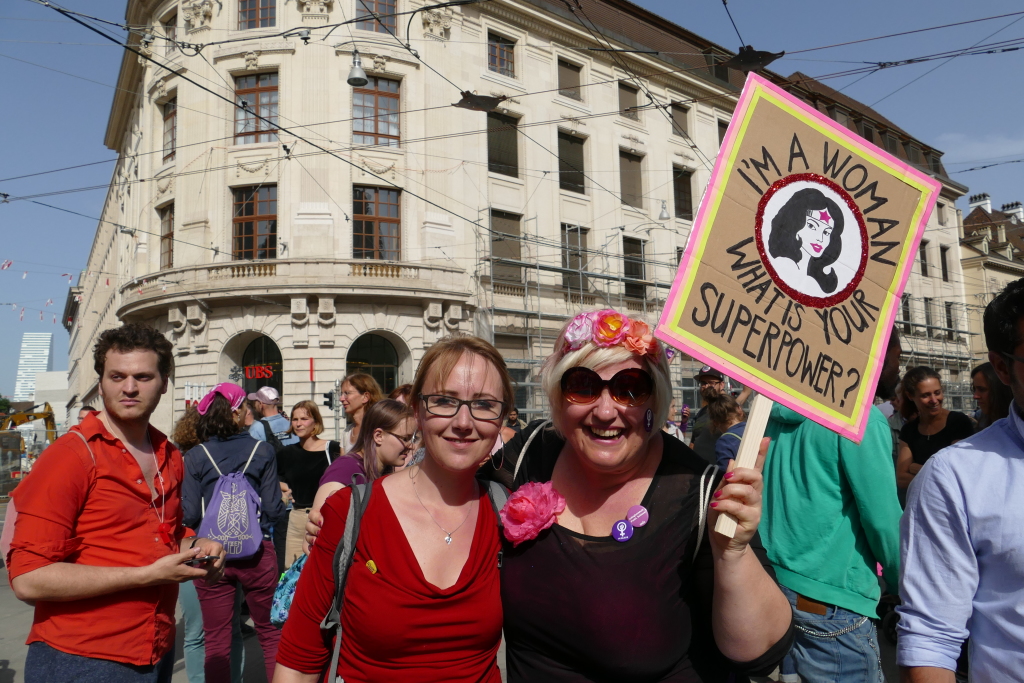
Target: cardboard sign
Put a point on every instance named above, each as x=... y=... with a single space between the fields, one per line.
x=801 y=248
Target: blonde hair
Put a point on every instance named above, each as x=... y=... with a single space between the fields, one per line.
x=314 y=412
x=596 y=357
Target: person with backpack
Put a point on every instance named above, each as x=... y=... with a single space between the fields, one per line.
x=299 y=467
x=231 y=492
x=268 y=423
x=421 y=601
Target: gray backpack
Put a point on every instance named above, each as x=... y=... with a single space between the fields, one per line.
x=346 y=550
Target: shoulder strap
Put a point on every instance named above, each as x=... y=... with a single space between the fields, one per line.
x=246 y=462
x=219 y=473
x=499 y=496
x=327 y=451
x=87 y=447
x=707 y=484
x=733 y=434
x=526 y=446
x=342 y=561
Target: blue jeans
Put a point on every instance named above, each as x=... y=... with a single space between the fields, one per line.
x=194 y=644
x=45 y=664
x=839 y=645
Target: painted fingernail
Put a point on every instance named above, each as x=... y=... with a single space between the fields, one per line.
x=718 y=494
x=728 y=475
x=714 y=504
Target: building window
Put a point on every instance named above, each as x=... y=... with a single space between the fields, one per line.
x=569 y=80
x=502 y=145
x=716 y=65
x=574 y=257
x=376 y=223
x=501 y=57
x=630 y=180
x=679 y=255
x=923 y=253
x=839 y=116
x=167 y=237
x=170 y=128
x=935 y=163
x=940 y=213
x=633 y=267
x=950 y=334
x=944 y=262
x=723 y=128
x=867 y=131
x=905 y=304
x=570 y=163
x=261 y=362
x=506 y=244
x=375 y=114
x=377 y=357
x=257 y=93
x=682 y=185
x=254 y=229
x=892 y=145
x=171 y=34
x=376 y=15
x=913 y=153
x=256 y=14
x=680 y=122
x=929 y=319
x=628 y=102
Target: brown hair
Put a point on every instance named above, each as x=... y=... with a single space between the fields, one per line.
x=314 y=412
x=184 y=434
x=722 y=409
x=132 y=337
x=441 y=358
x=404 y=391
x=914 y=377
x=365 y=384
x=386 y=415
x=219 y=421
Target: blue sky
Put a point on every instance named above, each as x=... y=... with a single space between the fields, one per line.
x=969 y=108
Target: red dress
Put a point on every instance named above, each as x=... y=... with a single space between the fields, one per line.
x=396 y=626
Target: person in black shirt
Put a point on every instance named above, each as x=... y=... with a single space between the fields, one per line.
x=934 y=428
x=300 y=467
x=627 y=581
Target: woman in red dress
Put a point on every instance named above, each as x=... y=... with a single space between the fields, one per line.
x=422 y=599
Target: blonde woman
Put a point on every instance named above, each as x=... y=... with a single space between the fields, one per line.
x=300 y=467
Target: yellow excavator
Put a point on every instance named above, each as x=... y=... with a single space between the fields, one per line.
x=12 y=441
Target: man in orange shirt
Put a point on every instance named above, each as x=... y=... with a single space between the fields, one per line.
x=99 y=546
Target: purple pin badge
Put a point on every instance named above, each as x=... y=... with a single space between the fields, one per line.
x=637 y=515
x=622 y=530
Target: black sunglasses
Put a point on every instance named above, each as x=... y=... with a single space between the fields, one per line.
x=630 y=387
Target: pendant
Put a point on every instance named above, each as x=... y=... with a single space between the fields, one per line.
x=165 y=533
x=448 y=539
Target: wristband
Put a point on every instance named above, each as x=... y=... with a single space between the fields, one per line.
x=194 y=541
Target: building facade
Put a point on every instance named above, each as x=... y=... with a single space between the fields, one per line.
x=992 y=253
x=36 y=356
x=268 y=260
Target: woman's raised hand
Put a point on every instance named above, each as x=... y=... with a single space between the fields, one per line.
x=739 y=494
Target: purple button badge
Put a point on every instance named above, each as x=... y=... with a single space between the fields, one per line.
x=622 y=530
x=637 y=515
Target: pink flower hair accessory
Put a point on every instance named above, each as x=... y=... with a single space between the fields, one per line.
x=580 y=331
x=530 y=510
x=610 y=327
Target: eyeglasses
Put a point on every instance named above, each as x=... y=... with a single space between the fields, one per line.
x=449 y=406
x=709 y=382
x=406 y=440
x=1011 y=357
x=630 y=387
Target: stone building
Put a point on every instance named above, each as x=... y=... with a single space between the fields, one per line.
x=267 y=260
x=992 y=253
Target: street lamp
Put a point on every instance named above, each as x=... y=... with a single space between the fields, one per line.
x=663 y=216
x=357 y=77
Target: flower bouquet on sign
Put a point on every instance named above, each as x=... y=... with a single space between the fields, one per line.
x=530 y=510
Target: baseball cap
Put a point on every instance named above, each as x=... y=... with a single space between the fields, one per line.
x=708 y=371
x=266 y=395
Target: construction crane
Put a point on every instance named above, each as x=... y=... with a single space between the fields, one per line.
x=15 y=420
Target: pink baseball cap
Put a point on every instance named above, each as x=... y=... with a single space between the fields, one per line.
x=266 y=395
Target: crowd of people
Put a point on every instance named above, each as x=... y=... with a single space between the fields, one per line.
x=441 y=523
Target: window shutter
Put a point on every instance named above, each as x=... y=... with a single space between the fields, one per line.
x=631 y=183
x=570 y=163
x=502 y=145
x=505 y=244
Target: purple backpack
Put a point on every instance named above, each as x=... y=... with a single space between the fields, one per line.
x=233 y=518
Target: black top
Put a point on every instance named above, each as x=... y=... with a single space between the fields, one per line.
x=302 y=469
x=704 y=439
x=231 y=454
x=587 y=608
x=958 y=426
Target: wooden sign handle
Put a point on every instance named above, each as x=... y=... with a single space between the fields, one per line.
x=757 y=421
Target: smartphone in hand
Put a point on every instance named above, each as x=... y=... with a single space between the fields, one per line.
x=196 y=561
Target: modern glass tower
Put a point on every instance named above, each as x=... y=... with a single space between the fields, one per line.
x=36 y=356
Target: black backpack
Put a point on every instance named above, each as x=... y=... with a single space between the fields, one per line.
x=271 y=436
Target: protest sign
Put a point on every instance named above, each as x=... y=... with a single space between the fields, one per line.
x=802 y=246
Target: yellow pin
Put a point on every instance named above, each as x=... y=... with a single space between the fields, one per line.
x=371 y=566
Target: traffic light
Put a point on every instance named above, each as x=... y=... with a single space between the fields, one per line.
x=329 y=400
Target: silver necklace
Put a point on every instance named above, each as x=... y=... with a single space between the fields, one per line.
x=448 y=534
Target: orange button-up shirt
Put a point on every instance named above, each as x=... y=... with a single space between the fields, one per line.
x=103 y=515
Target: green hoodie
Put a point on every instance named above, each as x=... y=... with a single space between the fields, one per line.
x=830 y=510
